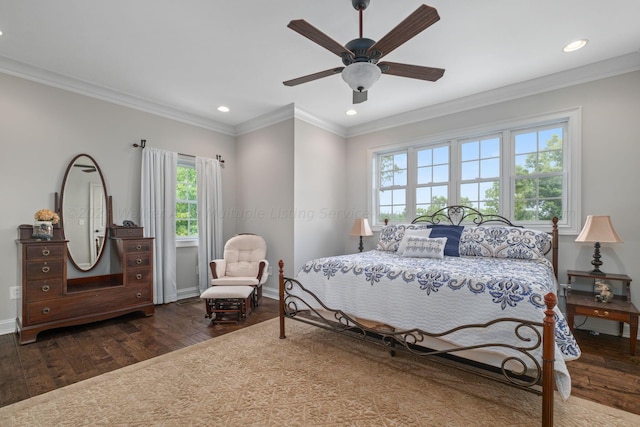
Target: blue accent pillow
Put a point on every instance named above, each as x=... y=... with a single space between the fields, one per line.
x=452 y=233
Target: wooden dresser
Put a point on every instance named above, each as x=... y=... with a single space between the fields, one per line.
x=50 y=300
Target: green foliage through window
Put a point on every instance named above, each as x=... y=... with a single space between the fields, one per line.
x=186 y=202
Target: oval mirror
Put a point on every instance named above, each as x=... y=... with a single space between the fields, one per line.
x=83 y=207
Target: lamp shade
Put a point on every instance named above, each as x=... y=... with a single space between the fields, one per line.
x=360 y=76
x=598 y=228
x=361 y=228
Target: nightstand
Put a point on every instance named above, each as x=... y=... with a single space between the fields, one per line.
x=619 y=309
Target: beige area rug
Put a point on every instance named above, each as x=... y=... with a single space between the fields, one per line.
x=313 y=378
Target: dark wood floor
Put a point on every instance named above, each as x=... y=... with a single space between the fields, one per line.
x=605 y=373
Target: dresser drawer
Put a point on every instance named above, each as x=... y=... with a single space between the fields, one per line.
x=135 y=246
x=603 y=313
x=138 y=260
x=44 y=289
x=87 y=303
x=37 y=270
x=126 y=232
x=142 y=276
x=38 y=252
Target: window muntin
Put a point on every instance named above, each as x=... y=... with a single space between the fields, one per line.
x=186 y=202
x=392 y=193
x=480 y=165
x=432 y=188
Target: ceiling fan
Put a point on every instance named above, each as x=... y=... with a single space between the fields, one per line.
x=360 y=56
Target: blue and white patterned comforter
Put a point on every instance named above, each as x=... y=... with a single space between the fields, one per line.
x=439 y=294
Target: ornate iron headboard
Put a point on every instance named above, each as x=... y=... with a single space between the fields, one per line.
x=457 y=214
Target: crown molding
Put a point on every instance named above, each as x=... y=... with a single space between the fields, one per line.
x=285 y=113
x=71 y=84
x=596 y=71
x=608 y=68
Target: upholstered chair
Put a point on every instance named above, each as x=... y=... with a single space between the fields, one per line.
x=244 y=263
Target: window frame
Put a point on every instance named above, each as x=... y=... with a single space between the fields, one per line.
x=570 y=118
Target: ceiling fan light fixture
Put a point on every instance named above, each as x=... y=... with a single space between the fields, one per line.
x=360 y=76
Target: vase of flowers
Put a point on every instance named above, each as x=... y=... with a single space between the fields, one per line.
x=43 y=224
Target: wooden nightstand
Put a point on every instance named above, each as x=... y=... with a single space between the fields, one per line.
x=619 y=309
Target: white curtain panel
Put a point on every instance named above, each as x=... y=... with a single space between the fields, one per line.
x=209 y=192
x=158 y=217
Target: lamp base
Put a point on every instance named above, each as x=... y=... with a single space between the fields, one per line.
x=361 y=247
x=596 y=260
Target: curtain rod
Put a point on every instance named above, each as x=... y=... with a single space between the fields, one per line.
x=143 y=143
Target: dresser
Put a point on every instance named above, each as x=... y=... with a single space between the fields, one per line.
x=49 y=299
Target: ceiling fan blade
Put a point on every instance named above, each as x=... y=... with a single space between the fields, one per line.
x=314 y=76
x=315 y=35
x=411 y=71
x=359 y=97
x=418 y=21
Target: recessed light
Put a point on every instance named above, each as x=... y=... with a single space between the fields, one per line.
x=223 y=109
x=351 y=112
x=0 y=32
x=575 y=45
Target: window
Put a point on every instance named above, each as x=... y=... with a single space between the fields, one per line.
x=526 y=171
x=186 y=200
x=539 y=181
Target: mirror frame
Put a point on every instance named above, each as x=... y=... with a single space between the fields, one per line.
x=107 y=212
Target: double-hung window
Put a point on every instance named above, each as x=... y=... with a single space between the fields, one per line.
x=186 y=200
x=527 y=171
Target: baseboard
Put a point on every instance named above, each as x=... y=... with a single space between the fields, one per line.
x=191 y=292
x=8 y=326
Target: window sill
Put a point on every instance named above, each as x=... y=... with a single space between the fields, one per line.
x=186 y=243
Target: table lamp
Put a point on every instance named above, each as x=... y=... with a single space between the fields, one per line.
x=361 y=228
x=598 y=229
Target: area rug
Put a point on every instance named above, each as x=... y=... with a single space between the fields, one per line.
x=313 y=378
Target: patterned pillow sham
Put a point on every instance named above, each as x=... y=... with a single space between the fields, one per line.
x=425 y=232
x=504 y=242
x=391 y=235
x=425 y=247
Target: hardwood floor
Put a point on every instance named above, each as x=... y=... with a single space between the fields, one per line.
x=605 y=373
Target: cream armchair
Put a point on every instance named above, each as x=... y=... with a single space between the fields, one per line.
x=244 y=263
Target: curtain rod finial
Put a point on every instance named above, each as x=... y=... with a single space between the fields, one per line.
x=143 y=143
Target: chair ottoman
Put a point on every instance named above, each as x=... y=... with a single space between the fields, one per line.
x=227 y=304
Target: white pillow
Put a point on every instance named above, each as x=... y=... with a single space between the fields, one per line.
x=425 y=247
x=425 y=232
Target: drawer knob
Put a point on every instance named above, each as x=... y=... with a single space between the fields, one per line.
x=45 y=288
x=597 y=313
x=139 y=295
x=138 y=247
x=139 y=276
x=46 y=310
x=46 y=252
x=45 y=269
x=139 y=261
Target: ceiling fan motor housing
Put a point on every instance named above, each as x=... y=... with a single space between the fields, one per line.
x=359 y=48
x=360 y=4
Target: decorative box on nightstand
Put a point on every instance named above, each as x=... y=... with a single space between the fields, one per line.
x=619 y=309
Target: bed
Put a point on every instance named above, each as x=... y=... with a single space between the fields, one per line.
x=466 y=288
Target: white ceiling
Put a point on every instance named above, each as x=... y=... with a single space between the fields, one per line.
x=185 y=58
